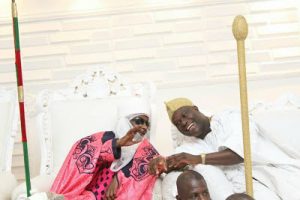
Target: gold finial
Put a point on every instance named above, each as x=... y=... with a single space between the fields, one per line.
x=240 y=28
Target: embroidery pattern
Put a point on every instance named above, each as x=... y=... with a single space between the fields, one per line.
x=139 y=169
x=84 y=155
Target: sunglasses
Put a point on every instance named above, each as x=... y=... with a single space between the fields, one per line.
x=140 y=121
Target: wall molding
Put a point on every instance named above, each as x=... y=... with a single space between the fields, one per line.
x=229 y=79
x=114 y=11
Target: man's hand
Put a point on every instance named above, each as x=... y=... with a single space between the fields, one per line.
x=157 y=166
x=126 y=140
x=180 y=160
x=112 y=189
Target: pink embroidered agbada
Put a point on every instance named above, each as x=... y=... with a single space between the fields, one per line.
x=135 y=181
x=86 y=174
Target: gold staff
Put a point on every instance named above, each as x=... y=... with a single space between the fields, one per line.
x=240 y=31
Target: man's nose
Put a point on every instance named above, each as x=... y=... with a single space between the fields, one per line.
x=144 y=126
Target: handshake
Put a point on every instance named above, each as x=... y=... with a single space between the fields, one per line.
x=180 y=161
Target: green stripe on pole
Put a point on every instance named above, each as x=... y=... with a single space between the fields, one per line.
x=16 y=27
x=26 y=160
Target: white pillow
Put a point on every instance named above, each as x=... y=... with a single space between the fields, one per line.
x=281 y=125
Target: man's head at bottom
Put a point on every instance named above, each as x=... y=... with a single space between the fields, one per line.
x=191 y=186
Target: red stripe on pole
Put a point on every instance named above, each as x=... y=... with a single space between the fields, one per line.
x=19 y=67
x=22 y=119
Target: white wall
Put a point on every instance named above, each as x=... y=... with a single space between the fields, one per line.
x=185 y=46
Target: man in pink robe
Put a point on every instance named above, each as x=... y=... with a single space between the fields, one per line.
x=93 y=161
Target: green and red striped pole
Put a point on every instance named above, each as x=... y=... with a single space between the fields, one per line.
x=21 y=94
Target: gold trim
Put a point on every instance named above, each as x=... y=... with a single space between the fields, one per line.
x=14 y=9
x=203 y=157
x=21 y=94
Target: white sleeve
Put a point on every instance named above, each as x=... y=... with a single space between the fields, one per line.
x=232 y=136
x=194 y=147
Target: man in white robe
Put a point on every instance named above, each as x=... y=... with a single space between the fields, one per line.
x=276 y=175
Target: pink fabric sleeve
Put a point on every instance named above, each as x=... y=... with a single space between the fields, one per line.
x=78 y=169
x=110 y=151
x=135 y=181
x=86 y=195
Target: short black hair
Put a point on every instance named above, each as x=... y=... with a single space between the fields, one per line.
x=187 y=175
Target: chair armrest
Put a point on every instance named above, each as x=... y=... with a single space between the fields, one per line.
x=8 y=183
x=40 y=183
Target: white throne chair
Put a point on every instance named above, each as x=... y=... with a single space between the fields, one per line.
x=88 y=106
x=8 y=130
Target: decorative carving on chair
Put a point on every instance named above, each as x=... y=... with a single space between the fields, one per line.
x=9 y=96
x=99 y=83
x=286 y=100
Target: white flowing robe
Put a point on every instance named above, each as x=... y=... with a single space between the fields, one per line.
x=276 y=174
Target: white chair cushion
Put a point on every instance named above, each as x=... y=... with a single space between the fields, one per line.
x=72 y=120
x=40 y=183
x=282 y=127
x=9 y=182
x=279 y=122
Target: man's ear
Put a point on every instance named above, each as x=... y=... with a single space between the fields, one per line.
x=177 y=197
